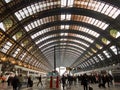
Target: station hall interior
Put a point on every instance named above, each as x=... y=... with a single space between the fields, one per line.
x=38 y=36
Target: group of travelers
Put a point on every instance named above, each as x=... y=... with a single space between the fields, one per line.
x=17 y=82
x=67 y=81
x=85 y=80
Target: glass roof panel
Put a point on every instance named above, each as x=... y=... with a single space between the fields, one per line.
x=62 y=16
x=63 y=3
x=47 y=43
x=75 y=35
x=99 y=6
x=61 y=49
x=2 y=26
x=107 y=54
x=95 y=5
x=101 y=56
x=45 y=38
x=80 y=42
x=114 y=49
x=61 y=43
x=7 y=1
x=70 y=3
x=89 y=20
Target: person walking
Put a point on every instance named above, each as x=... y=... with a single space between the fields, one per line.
x=63 y=80
x=85 y=81
x=9 y=81
x=30 y=82
x=15 y=82
x=40 y=81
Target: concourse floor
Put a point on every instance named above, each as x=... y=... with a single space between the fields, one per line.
x=3 y=86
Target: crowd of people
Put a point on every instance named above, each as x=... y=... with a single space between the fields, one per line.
x=17 y=82
x=103 y=80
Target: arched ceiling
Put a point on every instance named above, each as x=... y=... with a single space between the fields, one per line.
x=76 y=31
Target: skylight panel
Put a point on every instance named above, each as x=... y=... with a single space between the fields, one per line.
x=105 y=26
x=107 y=54
x=66 y=26
x=38 y=22
x=92 y=20
x=87 y=63
x=40 y=33
x=114 y=49
x=33 y=26
x=63 y=3
x=95 y=23
x=99 y=6
x=63 y=34
x=96 y=59
x=76 y=49
x=6 y=47
x=62 y=16
x=33 y=8
x=105 y=8
x=18 y=16
x=45 y=38
x=118 y=34
x=41 y=21
x=108 y=10
x=26 y=28
x=16 y=52
x=86 y=30
x=37 y=7
x=80 y=42
x=2 y=26
x=22 y=14
x=47 y=43
x=29 y=10
x=25 y=12
x=70 y=3
x=116 y=14
x=63 y=44
x=101 y=56
x=85 y=38
x=78 y=46
x=33 y=36
x=29 y=26
x=68 y=16
x=44 y=5
x=62 y=26
x=35 y=23
x=92 y=61
x=7 y=1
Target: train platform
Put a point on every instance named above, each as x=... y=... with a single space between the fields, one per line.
x=3 y=86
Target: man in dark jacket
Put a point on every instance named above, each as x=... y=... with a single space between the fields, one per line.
x=40 y=81
x=15 y=82
x=63 y=80
x=85 y=81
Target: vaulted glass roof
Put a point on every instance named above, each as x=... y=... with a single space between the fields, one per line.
x=81 y=33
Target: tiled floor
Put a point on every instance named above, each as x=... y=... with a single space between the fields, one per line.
x=4 y=86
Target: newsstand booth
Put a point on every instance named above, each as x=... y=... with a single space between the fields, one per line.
x=53 y=79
